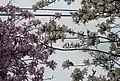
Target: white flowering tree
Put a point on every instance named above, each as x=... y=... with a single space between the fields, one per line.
x=34 y=39
x=107 y=33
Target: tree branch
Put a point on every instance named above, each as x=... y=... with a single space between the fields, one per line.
x=74 y=49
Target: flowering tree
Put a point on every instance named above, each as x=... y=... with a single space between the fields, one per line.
x=24 y=53
x=25 y=48
x=107 y=33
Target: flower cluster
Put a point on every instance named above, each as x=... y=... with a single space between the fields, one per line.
x=105 y=26
x=114 y=74
x=69 y=1
x=22 y=52
x=86 y=62
x=67 y=64
x=84 y=14
x=53 y=31
x=93 y=9
x=78 y=75
x=12 y=10
x=42 y=3
x=57 y=15
x=91 y=39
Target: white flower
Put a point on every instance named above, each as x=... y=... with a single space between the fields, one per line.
x=97 y=41
x=77 y=75
x=89 y=42
x=86 y=62
x=92 y=78
x=84 y=71
x=94 y=1
x=35 y=7
x=67 y=64
x=93 y=34
x=80 y=35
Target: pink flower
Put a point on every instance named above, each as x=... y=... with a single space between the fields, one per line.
x=57 y=15
x=51 y=64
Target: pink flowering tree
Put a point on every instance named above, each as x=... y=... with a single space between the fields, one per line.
x=24 y=51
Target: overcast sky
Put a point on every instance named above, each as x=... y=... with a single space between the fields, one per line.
x=77 y=56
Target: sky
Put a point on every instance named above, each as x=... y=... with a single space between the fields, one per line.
x=75 y=56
